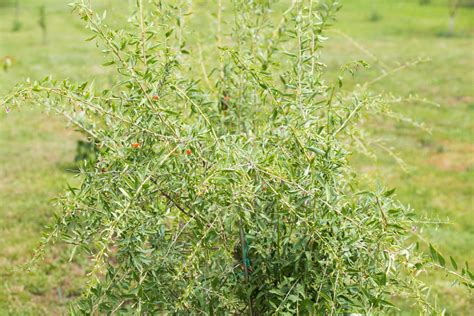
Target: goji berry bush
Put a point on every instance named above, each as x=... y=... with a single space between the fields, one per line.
x=222 y=184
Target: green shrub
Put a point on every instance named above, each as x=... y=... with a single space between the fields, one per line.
x=228 y=190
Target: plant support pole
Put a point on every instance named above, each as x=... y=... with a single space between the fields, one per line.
x=243 y=245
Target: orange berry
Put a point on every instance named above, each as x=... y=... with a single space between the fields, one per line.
x=188 y=152
x=136 y=145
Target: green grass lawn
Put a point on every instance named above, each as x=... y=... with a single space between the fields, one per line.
x=37 y=151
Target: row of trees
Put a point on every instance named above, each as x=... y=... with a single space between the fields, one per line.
x=453 y=6
x=17 y=25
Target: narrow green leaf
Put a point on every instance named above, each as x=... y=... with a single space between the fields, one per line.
x=453 y=262
x=316 y=150
x=389 y=192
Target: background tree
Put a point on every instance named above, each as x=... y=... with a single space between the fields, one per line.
x=42 y=22
x=16 y=21
x=453 y=8
x=374 y=15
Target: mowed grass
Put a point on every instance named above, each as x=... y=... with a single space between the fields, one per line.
x=37 y=150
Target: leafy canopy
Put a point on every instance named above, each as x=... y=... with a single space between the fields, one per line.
x=222 y=182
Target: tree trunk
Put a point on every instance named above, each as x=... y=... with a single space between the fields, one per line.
x=16 y=21
x=453 y=8
x=452 y=20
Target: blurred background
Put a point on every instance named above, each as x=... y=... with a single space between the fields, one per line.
x=37 y=151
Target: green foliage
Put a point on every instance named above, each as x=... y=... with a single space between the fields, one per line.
x=230 y=191
x=86 y=152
